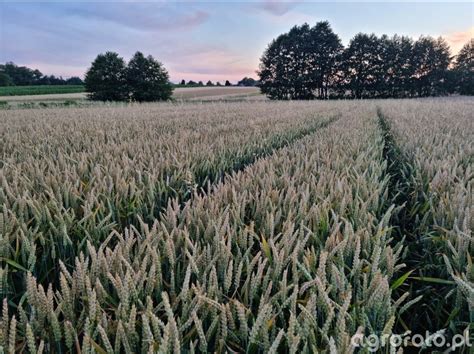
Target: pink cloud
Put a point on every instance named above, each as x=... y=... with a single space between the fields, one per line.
x=212 y=63
x=144 y=17
x=457 y=40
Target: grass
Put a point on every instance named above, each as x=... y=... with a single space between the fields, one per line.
x=39 y=90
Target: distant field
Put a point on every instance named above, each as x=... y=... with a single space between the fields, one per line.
x=39 y=90
x=198 y=92
x=185 y=94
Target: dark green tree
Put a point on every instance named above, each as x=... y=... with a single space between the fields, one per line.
x=20 y=75
x=74 y=81
x=397 y=66
x=183 y=83
x=147 y=79
x=310 y=63
x=247 y=81
x=200 y=83
x=227 y=83
x=105 y=80
x=284 y=66
x=5 y=80
x=209 y=83
x=464 y=70
x=430 y=60
x=301 y=64
x=363 y=66
x=324 y=50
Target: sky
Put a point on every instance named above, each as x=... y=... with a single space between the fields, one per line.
x=198 y=40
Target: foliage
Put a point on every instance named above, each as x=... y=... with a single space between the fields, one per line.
x=147 y=80
x=5 y=80
x=362 y=65
x=247 y=81
x=301 y=63
x=106 y=78
x=20 y=75
x=464 y=69
x=11 y=74
x=310 y=62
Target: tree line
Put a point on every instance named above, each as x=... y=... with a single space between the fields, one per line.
x=14 y=75
x=192 y=83
x=311 y=62
x=143 y=79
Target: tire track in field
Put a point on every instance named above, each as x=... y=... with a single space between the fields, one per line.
x=204 y=183
x=429 y=313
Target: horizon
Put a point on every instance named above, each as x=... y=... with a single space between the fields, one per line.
x=202 y=41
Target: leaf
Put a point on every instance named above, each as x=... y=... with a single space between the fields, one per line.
x=14 y=264
x=400 y=280
x=266 y=249
x=97 y=347
x=434 y=280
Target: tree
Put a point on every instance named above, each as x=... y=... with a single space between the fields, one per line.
x=464 y=69
x=20 y=75
x=247 y=81
x=430 y=59
x=209 y=83
x=105 y=80
x=310 y=62
x=191 y=83
x=5 y=80
x=363 y=65
x=218 y=83
x=285 y=67
x=74 y=81
x=397 y=66
x=183 y=83
x=147 y=79
x=325 y=49
x=227 y=83
x=302 y=63
x=200 y=83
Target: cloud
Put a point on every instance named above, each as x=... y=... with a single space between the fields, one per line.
x=204 y=62
x=457 y=40
x=276 y=8
x=145 y=17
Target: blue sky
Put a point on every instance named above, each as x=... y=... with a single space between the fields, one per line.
x=202 y=40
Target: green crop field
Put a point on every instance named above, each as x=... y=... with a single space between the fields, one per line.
x=39 y=90
x=258 y=226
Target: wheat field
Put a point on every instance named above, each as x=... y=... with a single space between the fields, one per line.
x=235 y=226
